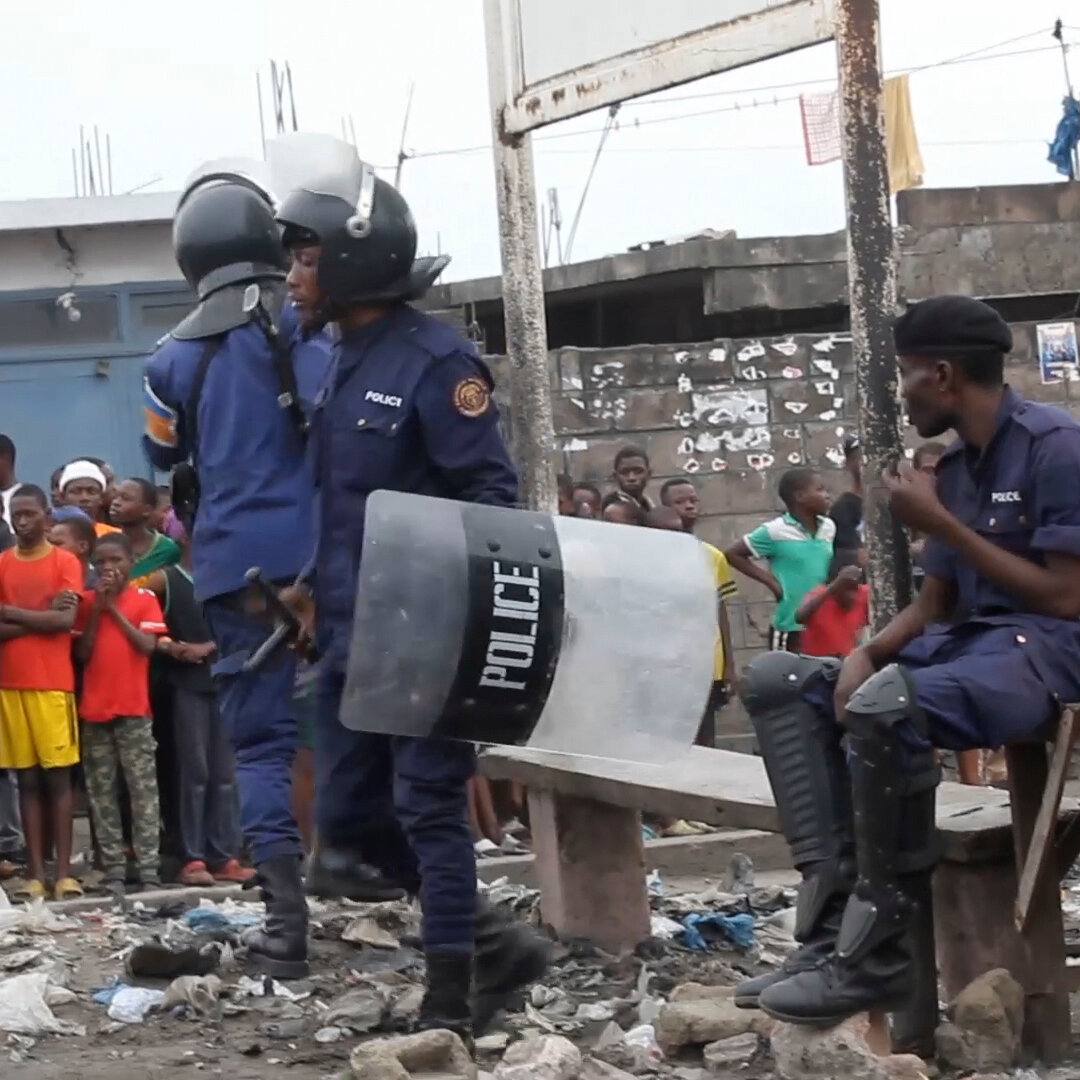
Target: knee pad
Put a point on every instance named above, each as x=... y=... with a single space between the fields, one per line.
x=889 y=733
x=777 y=679
x=803 y=757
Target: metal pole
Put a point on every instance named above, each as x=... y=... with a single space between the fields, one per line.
x=872 y=288
x=523 y=294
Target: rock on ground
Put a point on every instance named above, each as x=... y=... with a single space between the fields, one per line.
x=541 y=1057
x=397 y=1058
x=985 y=1025
x=696 y=1022
x=806 y=1053
x=732 y=1052
x=595 y=1069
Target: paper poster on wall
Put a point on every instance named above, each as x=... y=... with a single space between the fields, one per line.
x=1057 y=351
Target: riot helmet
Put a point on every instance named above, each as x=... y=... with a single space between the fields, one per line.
x=362 y=225
x=224 y=232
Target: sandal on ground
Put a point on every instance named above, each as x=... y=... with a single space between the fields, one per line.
x=67 y=889
x=29 y=890
x=194 y=873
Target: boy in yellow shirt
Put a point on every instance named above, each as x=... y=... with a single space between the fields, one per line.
x=679 y=510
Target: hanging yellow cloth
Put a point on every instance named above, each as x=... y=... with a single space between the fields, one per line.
x=901 y=142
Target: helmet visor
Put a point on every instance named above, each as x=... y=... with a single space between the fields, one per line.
x=324 y=165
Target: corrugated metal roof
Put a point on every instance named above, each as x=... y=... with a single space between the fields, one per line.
x=26 y=215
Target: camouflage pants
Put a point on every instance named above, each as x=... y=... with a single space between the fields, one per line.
x=124 y=743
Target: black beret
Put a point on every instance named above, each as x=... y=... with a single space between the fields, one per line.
x=950 y=326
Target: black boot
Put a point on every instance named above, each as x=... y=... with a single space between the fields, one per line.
x=446 y=998
x=335 y=874
x=801 y=746
x=509 y=956
x=893 y=793
x=279 y=949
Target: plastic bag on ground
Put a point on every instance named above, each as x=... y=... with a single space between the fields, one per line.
x=130 y=1004
x=24 y=1006
x=738 y=929
x=32 y=918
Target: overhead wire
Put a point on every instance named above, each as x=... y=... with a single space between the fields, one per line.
x=975 y=56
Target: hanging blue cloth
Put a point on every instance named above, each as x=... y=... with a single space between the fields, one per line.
x=1065 y=139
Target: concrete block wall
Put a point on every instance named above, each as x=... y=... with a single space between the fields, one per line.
x=731 y=415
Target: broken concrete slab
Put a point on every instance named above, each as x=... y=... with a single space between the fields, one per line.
x=807 y=1053
x=541 y=1057
x=399 y=1057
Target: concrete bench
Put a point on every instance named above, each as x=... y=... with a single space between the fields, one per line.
x=585 y=815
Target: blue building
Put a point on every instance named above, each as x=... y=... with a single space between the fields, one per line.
x=87 y=287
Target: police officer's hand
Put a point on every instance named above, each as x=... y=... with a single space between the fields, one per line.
x=856 y=669
x=913 y=498
x=299 y=600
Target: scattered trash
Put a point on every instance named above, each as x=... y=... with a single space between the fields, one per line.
x=597 y=1010
x=130 y=1004
x=737 y=929
x=366 y=931
x=19 y=1047
x=25 y=1006
x=660 y=926
x=211 y=918
x=493 y=1043
x=655 y=884
x=290 y=1028
x=155 y=960
x=20 y=959
x=329 y=1034
x=199 y=993
x=504 y=893
x=266 y=987
x=644 y=1038
x=32 y=918
x=360 y=1010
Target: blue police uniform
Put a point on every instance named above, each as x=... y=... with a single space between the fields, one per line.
x=255 y=509
x=407 y=407
x=997 y=673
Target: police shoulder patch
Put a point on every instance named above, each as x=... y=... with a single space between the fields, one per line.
x=472 y=397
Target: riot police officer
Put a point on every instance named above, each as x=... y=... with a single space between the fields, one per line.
x=407 y=407
x=225 y=390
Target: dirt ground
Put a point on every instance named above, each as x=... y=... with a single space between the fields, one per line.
x=262 y=1034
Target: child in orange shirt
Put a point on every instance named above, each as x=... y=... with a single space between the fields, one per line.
x=120 y=626
x=834 y=615
x=39 y=587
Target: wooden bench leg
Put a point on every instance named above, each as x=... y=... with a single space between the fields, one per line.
x=590 y=864
x=1046 y=1021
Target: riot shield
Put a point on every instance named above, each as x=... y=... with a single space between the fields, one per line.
x=525 y=629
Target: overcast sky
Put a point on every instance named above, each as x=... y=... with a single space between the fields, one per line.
x=175 y=85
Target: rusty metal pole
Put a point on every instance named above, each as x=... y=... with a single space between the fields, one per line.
x=532 y=424
x=872 y=288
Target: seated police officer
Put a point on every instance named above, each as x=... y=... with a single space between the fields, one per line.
x=407 y=407
x=1002 y=518
x=224 y=390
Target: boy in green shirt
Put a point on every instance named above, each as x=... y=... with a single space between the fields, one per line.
x=798 y=548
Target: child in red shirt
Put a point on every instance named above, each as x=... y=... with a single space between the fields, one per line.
x=119 y=627
x=834 y=614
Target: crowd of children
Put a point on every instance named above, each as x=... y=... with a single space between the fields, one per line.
x=105 y=683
